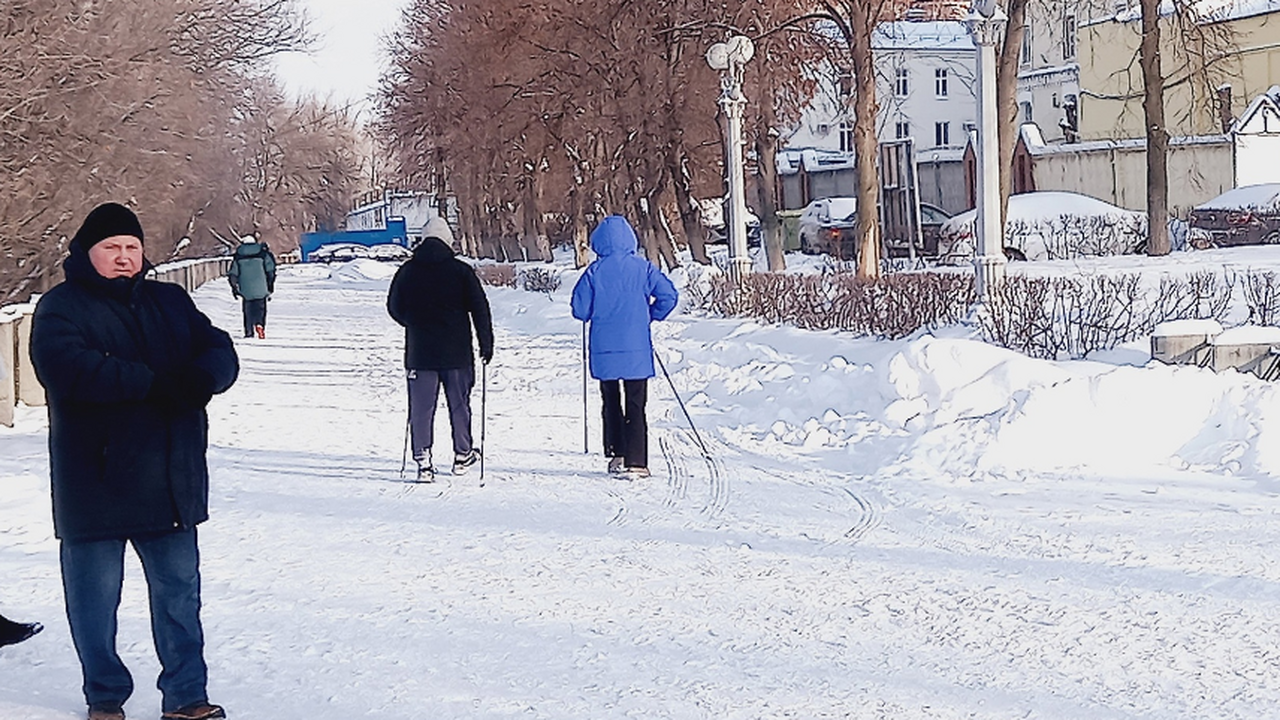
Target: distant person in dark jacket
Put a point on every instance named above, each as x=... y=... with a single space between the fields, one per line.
x=620 y=294
x=438 y=298
x=12 y=633
x=253 y=278
x=128 y=365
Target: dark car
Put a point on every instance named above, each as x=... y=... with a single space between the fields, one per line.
x=829 y=226
x=932 y=218
x=1248 y=215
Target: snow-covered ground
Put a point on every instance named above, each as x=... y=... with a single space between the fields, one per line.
x=928 y=528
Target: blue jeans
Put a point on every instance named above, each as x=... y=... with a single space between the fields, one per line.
x=92 y=576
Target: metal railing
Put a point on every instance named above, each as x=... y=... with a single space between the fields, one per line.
x=18 y=383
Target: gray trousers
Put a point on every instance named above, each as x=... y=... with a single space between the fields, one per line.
x=424 y=393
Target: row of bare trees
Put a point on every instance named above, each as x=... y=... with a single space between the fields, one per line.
x=163 y=105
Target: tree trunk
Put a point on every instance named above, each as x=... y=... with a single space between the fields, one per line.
x=865 y=144
x=1157 y=133
x=1007 y=97
x=767 y=185
x=695 y=235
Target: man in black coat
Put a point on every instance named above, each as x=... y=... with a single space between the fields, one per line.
x=128 y=365
x=437 y=298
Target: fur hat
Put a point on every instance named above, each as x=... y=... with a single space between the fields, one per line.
x=246 y=239
x=437 y=228
x=106 y=220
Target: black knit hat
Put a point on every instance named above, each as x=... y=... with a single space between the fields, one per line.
x=106 y=220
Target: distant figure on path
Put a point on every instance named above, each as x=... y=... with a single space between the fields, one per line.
x=129 y=365
x=253 y=278
x=620 y=294
x=438 y=298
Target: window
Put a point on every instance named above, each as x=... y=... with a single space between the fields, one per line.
x=942 y=134
x=844 y=82
x=846 y=136
x=1069 y=35
x=901 y=83
x=940 y=82
x=1025 y=58
x=901 y=130
x=1026 y=113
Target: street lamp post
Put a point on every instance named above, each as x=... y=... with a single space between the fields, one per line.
x=730 y=58
x=986 y=23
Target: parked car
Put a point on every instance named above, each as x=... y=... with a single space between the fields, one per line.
x=1051 y=225
x=932 y=218
x=714 y=211
x=1248 y=215
x=829 y=226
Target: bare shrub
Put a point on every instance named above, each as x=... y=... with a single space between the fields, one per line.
x=1063 y=317
x=1262 y=296
x=891 y=307
x=497 y=275
x=540 y=280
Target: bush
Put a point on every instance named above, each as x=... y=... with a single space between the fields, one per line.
x=892 y=307
x=539 y=280
x=497 y=275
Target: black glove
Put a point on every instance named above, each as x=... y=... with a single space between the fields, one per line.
x=182 y=388
x=486 y=355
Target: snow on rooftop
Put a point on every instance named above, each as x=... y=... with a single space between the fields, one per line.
x=1248 y=335
x=1173 y=328
x=934 y=35
x=1209 y=10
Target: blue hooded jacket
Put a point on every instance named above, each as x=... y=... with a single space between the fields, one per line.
x=620 y=293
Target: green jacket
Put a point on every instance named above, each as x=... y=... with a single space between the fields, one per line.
x=253 y=272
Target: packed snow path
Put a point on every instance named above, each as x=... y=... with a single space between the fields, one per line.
x=839 y=555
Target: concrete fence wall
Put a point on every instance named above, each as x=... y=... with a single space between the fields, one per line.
x=18 y=383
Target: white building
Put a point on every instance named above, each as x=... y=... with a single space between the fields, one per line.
x=415 y=206
x=924 y=85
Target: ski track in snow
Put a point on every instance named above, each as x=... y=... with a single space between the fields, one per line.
x=759 y=582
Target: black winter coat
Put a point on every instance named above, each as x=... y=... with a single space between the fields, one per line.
x=121 y=464
x=437 y=298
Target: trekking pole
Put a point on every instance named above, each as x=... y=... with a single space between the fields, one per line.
x=404 y=454
x=484 y=372
x=586 y=446
x=705 y=453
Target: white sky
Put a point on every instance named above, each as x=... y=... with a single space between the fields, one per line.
x=347 y=58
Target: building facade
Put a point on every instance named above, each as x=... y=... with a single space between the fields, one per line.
x=1243 y=34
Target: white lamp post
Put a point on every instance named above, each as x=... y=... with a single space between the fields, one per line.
x=730 y=58
x=986 y=22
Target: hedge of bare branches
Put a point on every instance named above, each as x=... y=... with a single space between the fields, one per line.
x=1071 y=317
x=1045 y=317
x=892 y=307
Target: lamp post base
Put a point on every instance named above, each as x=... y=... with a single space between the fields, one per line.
x=739 y=269
x=989 y=272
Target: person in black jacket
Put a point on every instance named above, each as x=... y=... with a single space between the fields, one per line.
x=128 y=365
x=437 y=298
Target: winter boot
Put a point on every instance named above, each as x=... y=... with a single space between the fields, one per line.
x=426 y=473
x=465 y=460
x=105 y=712
x=12 y=633
x=261 y=331
x=198 y=711
x=616 y=466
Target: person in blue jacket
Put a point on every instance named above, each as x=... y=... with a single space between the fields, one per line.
x=619 y=295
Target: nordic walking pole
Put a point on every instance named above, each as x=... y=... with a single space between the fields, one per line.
x=586 y=446
x=484 y=367
x=705 y=453
x=404 y=454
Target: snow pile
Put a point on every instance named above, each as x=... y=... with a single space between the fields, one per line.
x=363 y=270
